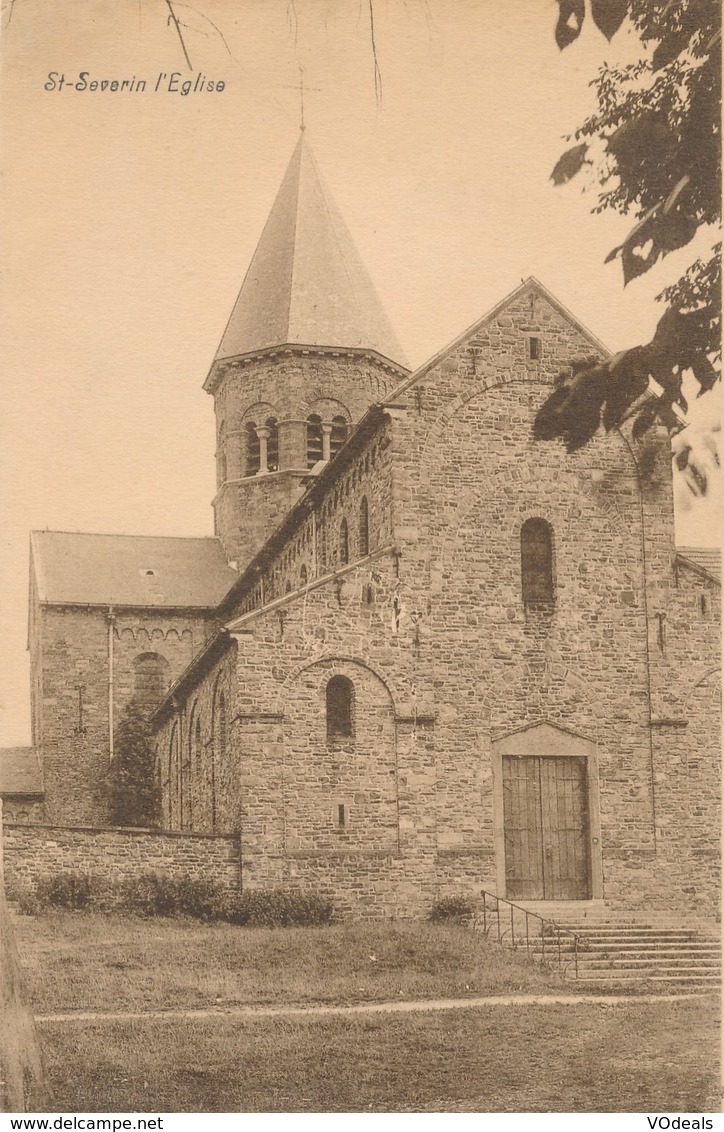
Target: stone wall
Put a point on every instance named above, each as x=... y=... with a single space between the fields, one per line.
x=33 y=852
x=74 y=660
x=448 y=660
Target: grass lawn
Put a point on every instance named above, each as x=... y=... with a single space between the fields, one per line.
x=586 y=1057
x=78 y=961
x=631 y=1057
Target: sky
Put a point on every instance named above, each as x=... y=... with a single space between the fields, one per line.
x=130 y=219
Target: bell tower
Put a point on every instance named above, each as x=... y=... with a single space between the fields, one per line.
x=307 y=349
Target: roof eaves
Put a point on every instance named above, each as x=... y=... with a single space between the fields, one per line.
x=215 y=374
x=55 y=603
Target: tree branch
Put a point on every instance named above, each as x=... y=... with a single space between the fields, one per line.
x=180 y=34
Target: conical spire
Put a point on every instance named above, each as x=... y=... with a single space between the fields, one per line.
x=306 y=284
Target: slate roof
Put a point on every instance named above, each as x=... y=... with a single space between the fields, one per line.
x=20 y=771
x=74 y=568
x=707 y=558
x=306 y=284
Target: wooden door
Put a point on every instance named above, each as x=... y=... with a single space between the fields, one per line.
x=545 y=812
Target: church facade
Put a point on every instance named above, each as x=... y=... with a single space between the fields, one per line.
x=423 y=654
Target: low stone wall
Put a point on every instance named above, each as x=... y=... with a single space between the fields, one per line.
x=33 y=852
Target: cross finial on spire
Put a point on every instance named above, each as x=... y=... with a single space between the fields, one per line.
x=301 y=88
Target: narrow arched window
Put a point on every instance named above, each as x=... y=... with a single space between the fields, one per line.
x=315 y=443
x=198 y=748
x=340 y=700
x=338 y=435
x=364 y=527
x=222 y=725
x=272 y=445
x=150 y=680
x=172 y=775
x=251 y=449
x=343 y=543
x=536 y=562
x=187 y=772
x=303 y=576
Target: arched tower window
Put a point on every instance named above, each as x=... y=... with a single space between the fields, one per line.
x=150 y=680
x=340 y=702
x=536 y=562
x=303 y=576
x=315 y=443
x=337 y=436
x=343 y=543
x=251 y=449
x=364 y=527
x=272 y=445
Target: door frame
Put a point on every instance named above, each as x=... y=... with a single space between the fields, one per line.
x=545 y=740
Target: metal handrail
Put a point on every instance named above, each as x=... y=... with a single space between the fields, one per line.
x=544 y=922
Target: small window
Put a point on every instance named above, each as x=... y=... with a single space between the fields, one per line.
x=364 y=527
x=536 y=562
x=315 y=443
x=272 y=445
x=288 y=587
x=338 y=435
x=343 y=543
x=534 y=349
x=303 y=576
x=703 y=605
x=342 y=815
x=251 y=449
x=340 y=695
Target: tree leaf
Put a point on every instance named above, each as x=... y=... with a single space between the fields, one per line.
x=571 y=14
x=608 y=15
x=569 y=163
x=644 y=421
x=669 y=49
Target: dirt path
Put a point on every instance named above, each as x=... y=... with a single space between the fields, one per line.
x=364 y=1007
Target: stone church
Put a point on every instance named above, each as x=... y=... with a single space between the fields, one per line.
x=422 y=654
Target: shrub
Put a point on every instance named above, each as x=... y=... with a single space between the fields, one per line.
x=26 y=900
x=157 y=894
x=456 y=908
x=275 y=908
x=66 y=890
x=149 y=895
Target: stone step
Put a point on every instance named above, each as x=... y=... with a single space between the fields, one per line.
x=619 y=950
x=630 y=947
x=657 y=986
x=648 y=964
x=623 y=954
x=569 y=948
x=636 y=937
